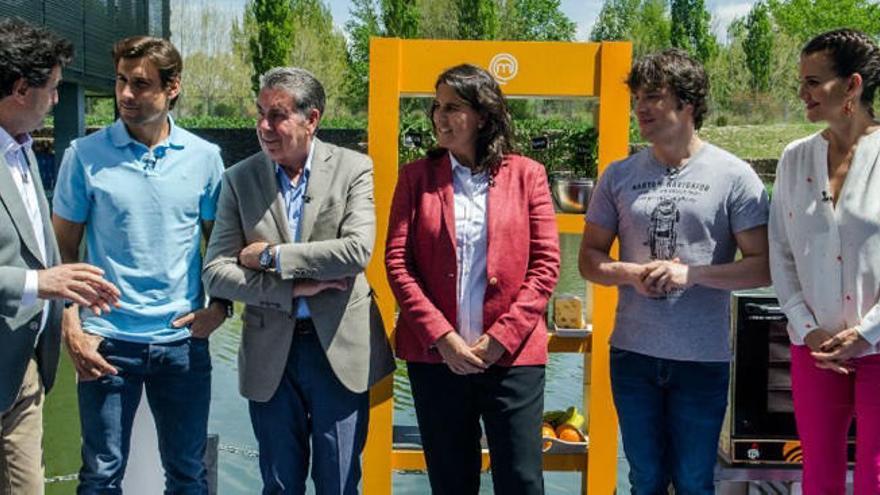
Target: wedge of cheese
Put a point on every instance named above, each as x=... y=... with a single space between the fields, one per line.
x=568 y=312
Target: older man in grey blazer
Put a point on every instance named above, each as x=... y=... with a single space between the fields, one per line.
x=294 y=232
x=32 y=283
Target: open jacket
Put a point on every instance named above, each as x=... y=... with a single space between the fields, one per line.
x=522 y=259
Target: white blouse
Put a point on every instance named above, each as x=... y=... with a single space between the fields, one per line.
x=825 y=259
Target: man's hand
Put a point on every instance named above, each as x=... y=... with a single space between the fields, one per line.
x=81 y=283
x=83 y=348
x=458 y=356
x=308 y=287
x=488 y=349
x=249 y=256
x=202 y=322
x=636 y=278
x=834 y=353
x=664 y=276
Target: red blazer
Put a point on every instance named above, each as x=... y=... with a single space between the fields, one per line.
x=522 y=264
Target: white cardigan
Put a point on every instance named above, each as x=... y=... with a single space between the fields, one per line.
x=825 y=259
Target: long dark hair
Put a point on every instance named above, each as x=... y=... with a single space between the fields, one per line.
x=480 y=90
x=851 y=52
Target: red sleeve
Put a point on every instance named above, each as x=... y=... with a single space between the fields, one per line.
x=422 y=316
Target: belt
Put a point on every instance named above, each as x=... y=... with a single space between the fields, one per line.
x=304 y=326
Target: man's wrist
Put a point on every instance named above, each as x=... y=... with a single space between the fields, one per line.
x=225 y=304
x=267 y=258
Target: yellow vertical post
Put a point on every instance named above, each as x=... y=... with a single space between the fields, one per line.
x=382 y=144
x=613 y=126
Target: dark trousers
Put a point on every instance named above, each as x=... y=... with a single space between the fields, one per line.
x=310 y=416
x=670 y=415
x=449 y=407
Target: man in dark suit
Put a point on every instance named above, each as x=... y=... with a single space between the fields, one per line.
x=32 y=283
x=294 y=231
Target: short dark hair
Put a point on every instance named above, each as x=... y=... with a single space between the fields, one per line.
x=851 y=52
x=305 y=89
x=159 y=51
x=29 y=52
x=481 y=91
x=679 y=72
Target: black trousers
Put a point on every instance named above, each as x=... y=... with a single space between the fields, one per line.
x=510 y=402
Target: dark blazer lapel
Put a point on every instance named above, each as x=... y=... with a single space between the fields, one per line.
x=268 y=186
x=320 y=175
x=442 y=168
x=10 y=197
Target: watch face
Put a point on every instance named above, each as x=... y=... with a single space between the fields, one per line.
x=265 y=259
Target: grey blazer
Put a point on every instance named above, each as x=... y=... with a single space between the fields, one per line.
x=337 y=235
x=19 y=252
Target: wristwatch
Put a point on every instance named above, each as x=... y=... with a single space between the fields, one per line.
x=267 y=258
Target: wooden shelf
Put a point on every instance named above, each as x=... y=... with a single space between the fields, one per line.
x=555 y=343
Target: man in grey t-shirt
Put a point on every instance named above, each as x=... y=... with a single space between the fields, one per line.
x=680 y=210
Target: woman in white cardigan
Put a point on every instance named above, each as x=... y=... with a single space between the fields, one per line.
x=825 y=261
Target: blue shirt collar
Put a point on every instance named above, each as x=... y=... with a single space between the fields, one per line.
x=121 y=138
x=9 y=144
x=284 y=180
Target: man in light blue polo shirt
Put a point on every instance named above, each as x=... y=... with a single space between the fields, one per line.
x=145 y=192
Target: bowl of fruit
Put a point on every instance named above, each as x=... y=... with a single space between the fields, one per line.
x=563 y=431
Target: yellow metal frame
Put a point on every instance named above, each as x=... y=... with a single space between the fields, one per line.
x=528 y=69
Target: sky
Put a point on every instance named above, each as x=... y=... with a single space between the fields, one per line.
x=583 y=12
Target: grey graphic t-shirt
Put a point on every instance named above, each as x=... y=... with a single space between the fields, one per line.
x=691 y=213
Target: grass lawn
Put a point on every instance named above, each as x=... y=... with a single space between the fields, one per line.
x=757 y=141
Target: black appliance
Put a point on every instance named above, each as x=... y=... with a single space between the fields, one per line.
x=759 y=427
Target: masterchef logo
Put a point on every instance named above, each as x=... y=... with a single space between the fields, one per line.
x=503 y=67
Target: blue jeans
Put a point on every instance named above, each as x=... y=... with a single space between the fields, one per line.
x=177 y=378
x=670 y=415
x=312 y=415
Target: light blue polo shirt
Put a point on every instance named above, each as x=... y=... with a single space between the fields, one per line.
x=143 y=211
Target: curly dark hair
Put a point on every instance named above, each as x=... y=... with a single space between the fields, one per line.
x=851 y=52
x=480 y=90
x=160 y=51
x=678 y=71
x=29 y=52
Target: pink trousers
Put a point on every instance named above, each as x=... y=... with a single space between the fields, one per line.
x=825 y=403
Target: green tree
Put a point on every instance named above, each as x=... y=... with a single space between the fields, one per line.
x=644 y=22
x=363 y=24
x=477 y=19
x=616 y=20
x=272 y=43
x=435 y=21
x=690 y=29
x=319 y=47
x=400 y=18
x=758 y=46
x=803 y=19
x=535 y=20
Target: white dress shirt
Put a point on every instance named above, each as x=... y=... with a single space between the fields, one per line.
x=471 y=194
x=825 y=258
x=14 y=151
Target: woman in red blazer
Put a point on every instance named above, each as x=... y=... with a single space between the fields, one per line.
x=472 y=257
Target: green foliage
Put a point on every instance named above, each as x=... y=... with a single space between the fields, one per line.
x=573 y=144
x=363 y=24
x=535 y=20
x=644 y=22
x=400 y=18
x=477 y=19
x=803 y=19
x=273 y=41
x=435 y=21
x=758 y=46
x=690 y=29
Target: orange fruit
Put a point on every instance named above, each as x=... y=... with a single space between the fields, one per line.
x=569 y=433
x=547 y=431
